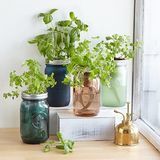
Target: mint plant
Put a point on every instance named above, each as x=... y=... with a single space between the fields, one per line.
x=62 y=144
x=96 y=60
x=121 y=46
x=33 y=81
x=59 y=40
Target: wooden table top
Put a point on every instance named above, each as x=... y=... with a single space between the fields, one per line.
x=12 y=148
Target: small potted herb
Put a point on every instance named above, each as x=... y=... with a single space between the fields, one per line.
x=87 y=66
x=121 y=48
x=34 y=111
x=57 y=46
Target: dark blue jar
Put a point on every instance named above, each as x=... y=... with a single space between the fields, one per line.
x=59 y=95
x=34 y=118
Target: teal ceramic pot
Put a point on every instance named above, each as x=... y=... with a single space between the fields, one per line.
x=34 y=118
x=116 y=95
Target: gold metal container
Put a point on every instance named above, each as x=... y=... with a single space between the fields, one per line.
x=86 y=98
x=126 y=133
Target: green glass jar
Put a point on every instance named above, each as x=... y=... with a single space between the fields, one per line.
x=116 y=94
x=34 y=118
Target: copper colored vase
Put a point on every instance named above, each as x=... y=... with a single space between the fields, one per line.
x=86 y=98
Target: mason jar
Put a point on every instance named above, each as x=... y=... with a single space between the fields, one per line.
x=116 y=94
x=86 y=98
x=34 y=118
x=59 y=95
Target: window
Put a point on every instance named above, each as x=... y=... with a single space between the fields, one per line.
x=151 y=62
x=146 y=90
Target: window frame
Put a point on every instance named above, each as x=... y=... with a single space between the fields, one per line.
x=144 y=128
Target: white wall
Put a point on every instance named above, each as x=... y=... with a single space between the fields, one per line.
x=19 y=24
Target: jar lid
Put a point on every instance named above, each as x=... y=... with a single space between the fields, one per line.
x=121 y=62
x=59 y=62
x=34 y=96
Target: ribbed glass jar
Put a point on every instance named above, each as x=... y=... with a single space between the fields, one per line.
x=86 y=98
x=116 y=94
x=34 y=118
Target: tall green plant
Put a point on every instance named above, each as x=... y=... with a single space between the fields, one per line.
x=59 y=40
x=33 y=81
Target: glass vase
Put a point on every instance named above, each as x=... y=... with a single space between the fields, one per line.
x=59 y=95
x=86 y=98
x=34 y=118
x=116 y=94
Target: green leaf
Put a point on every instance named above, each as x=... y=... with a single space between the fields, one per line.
x=5 y=95
x=64 y=23
x=72 y=16
x=60 y=146
x=96 y=37
x=33 y=41
x=67 y=145
x=47 y=18
x=78 y=22
x=53 y=10
x=48 y=146
x=41 y=15
x=60 y=137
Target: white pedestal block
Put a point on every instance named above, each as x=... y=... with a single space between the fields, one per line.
x=53 y=123
x=100 y=127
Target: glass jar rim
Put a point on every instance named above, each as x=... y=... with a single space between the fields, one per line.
x=59 y=62
x=34 y=96
x=121 y=62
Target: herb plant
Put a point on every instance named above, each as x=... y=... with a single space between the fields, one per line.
x=59 y=40
x=92 y=59
x=121 y=46
x=65 y=145
x=34 y=81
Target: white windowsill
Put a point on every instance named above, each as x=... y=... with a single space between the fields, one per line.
x=149 y=133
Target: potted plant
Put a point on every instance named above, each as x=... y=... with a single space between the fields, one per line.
x=57 y=46
x=34 y=111
x=121 y=48
x=88 y=65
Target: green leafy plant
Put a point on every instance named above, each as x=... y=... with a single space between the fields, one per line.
x=33 y=81
x=121 y=46
x=59 y=40
x=62 y=144
x=95 y=60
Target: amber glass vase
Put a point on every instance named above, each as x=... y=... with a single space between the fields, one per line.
x=86 y=98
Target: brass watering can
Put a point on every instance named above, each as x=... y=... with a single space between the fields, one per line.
x=126 y=133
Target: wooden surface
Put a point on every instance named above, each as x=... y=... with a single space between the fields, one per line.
x=12 y=148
